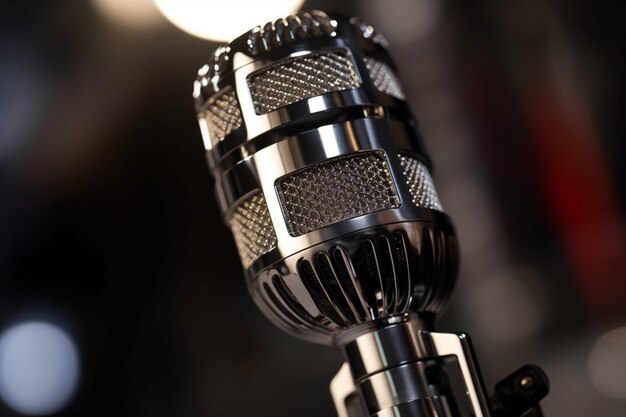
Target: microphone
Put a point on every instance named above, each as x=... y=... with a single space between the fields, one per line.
x=324 y=180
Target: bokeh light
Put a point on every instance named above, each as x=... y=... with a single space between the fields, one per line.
x=223 y=20
x=39 y=368
x=607 y=364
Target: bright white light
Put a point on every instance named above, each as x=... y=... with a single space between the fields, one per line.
x=224 y=20
x=38 y=368
x=130 y=12
x=607 y=364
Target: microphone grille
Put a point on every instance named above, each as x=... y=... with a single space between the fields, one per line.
x=420 y=183
x=300 y=78
x=252 y=228
x=336 y=190
x=222 y=115
x=383 y=78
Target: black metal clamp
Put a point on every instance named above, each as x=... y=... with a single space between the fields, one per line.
x=518 y=394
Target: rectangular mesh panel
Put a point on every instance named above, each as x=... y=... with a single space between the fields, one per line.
x=384 y=78
x=420 y=183
x=222 y=115
x=252 y=228
x=336 y=190
x=303 y=77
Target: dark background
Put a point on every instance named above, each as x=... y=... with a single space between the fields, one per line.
x=109 y=228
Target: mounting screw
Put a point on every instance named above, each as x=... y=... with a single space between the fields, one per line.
x=527 y=382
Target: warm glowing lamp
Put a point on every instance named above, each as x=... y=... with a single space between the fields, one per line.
x=223 y=20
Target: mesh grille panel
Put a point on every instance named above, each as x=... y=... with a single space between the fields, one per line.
x=420 y=183
x=336 y=190
x=252 y=229
x=300 y=78
x=223 y=115
x=383 y=77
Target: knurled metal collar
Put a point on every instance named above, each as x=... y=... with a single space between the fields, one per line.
x=272 y=37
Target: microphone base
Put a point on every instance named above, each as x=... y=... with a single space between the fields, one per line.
x=403 y=370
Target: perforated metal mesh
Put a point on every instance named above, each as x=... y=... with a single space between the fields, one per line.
x=420 y=183
x=222 y=115
x=336 y=190
x=252 y=228
x=384 y=78
x=300 y=78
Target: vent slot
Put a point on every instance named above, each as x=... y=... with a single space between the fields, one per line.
x=348 y=281
x=317 y=292
x=384 y=78
x=387 y=273
x=328 y=278
x=290 y=300
x=300 y=78
x=222 y=115
x=402 y=274
x=252 y=228
x=279 y=308
x=375 y=288
x=336 y=190
x=420 y=183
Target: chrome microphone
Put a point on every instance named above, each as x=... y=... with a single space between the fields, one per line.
x=323 y=178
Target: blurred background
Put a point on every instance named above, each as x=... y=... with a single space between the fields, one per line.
x=121 y=293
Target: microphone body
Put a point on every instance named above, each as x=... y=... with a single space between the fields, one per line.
x=324 y=180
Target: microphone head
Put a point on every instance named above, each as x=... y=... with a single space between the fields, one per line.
x=322 y=176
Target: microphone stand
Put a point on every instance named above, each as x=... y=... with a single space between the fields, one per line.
x=405 y=370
